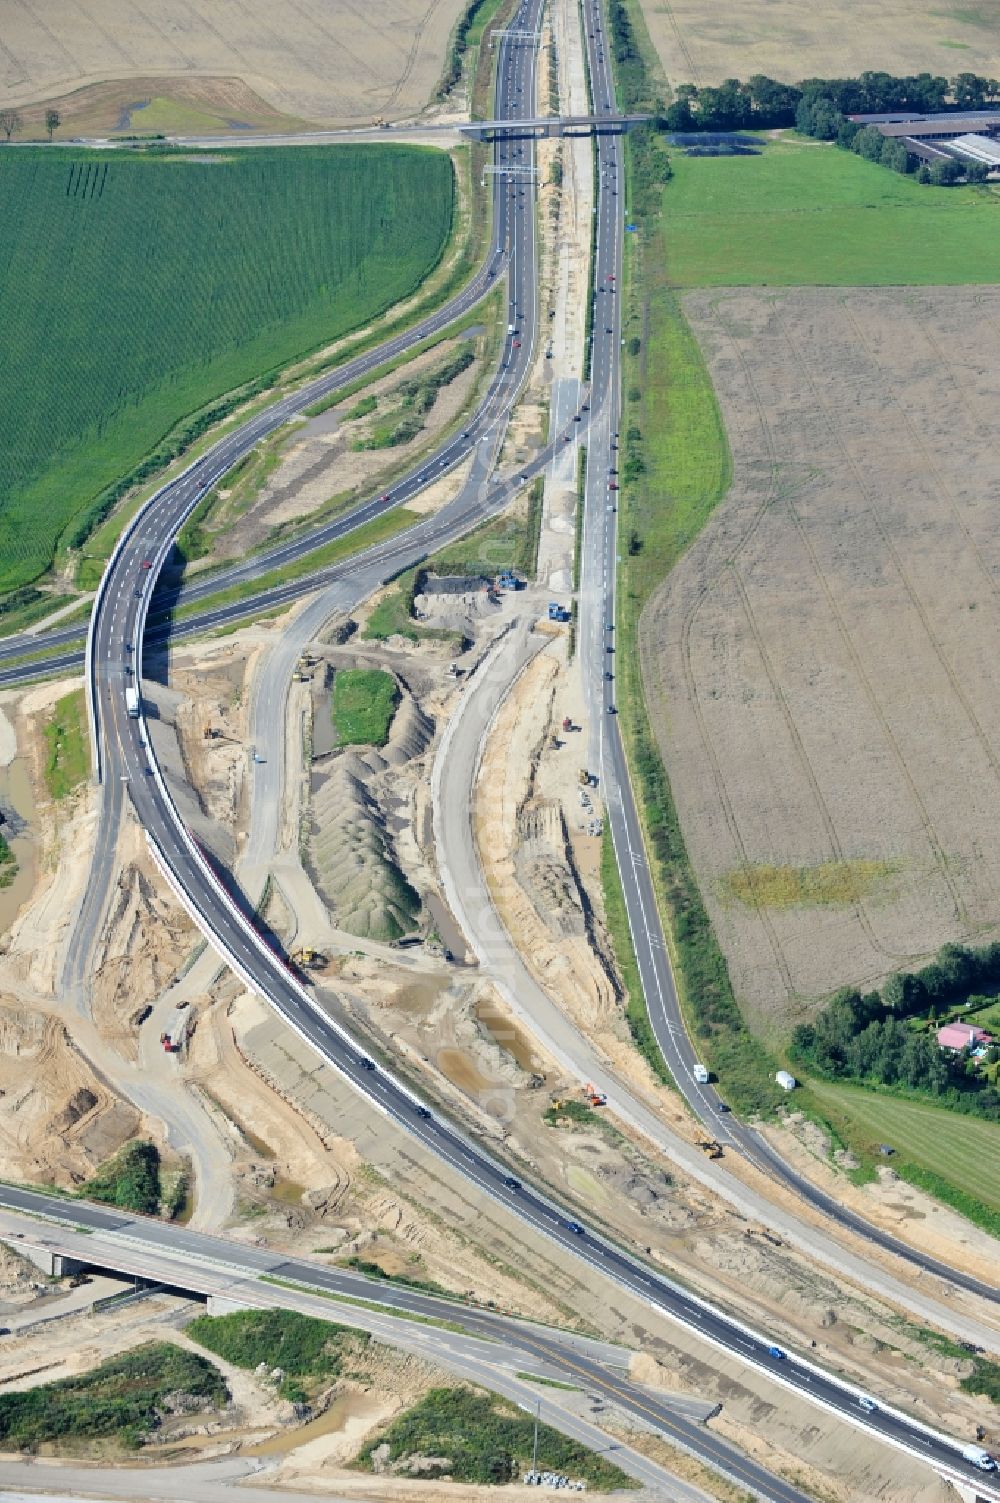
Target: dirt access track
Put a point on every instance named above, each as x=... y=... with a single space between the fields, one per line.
x=793 y=39
x=334 y=63
x=821 y=665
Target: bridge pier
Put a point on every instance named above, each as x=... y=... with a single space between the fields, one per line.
x=223 y=1304
x=54 y=1264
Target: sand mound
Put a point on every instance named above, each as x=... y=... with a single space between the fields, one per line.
x=353 y=861
x=411 y=734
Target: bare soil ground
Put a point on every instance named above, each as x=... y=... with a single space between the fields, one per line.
x=195 y=67
x=789 y=39
x=819 y=665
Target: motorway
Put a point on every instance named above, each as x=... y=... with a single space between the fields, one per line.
x=130 y=770
x=596 y=615
x=486 y=1347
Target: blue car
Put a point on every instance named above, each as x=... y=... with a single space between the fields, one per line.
x=776 y=1353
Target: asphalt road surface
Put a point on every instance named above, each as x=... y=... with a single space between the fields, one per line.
x=596 y=636
x=119 y=621
x=177 y=1257
x=128 y=768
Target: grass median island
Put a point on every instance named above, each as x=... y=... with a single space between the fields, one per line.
x=363 y=703
x=378 y=530
x=803 y=214
x=476 y=1437
x=67 y=760
x=308 y=1351
x=123 y=1399
x=163 y=283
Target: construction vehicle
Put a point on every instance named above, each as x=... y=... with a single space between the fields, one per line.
x=508 y=580
x=587 y=779
x=711 y=1147
x=169 y=1047
x=567 y=723
x=306 y=956
x=557 y=612
x=594 y=1096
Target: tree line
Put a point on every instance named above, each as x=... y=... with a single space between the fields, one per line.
x=761 y=103
x=821 y=121
x=866 y=1038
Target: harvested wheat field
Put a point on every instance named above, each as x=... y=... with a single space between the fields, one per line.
x=822 y=663
x=791 y=39
x=333 y=63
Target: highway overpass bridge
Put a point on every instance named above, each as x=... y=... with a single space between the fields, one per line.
x=536 y=127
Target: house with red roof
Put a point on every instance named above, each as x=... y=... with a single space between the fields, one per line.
x=962 y=1036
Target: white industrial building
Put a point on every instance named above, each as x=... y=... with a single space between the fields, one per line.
x=976 y=149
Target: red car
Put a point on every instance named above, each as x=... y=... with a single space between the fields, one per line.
x=612 y=485
x=147 y=563
x=386 y=497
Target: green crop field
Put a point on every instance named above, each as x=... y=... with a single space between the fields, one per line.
x=804 y=214
x=138 y=288
x=965 y=1151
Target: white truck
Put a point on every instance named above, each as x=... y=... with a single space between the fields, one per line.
x=132 y=701
x=700 y=1074
x=980 y=1458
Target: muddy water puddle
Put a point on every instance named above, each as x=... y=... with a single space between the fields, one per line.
x=505 y=1032
x=349 y=1406
x=16 y=794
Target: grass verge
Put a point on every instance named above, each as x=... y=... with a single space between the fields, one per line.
x=373 y=1306
x=67 y=760
x=616 y=917
x=22 y=608
x=677 y=469
x=8 y=864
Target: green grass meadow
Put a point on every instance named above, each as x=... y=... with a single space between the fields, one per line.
x=965 y=1151
x=363 y=703
x=138 y=288
x=806 y=214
